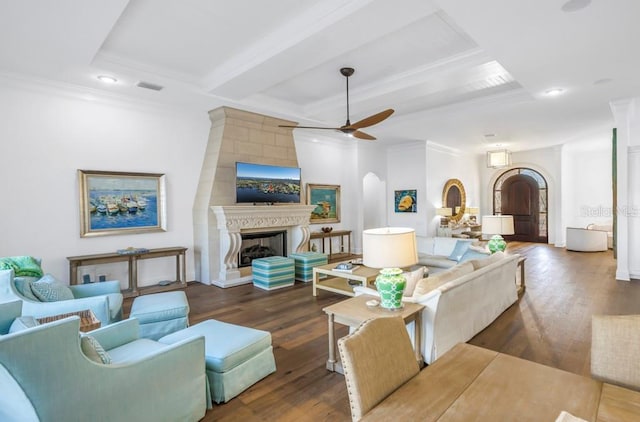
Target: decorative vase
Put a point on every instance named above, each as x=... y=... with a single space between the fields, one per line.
x=390 y=284
x=497 y=243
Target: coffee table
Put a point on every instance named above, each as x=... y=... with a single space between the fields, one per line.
x=354 y=311
x=88 y=320
x=338 y=281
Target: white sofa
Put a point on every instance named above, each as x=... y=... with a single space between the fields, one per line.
x=436 y=252
x=462 y=301
x=586 y=240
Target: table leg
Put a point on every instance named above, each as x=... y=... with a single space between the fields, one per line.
x=417 y=339
x=315 y=281
x=331 y=362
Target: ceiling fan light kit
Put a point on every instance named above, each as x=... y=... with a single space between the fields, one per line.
x=353 y=130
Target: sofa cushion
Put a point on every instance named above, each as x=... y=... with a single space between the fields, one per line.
x=93 y=350
x=459 y=250
x=444 y=245
x=135 y=350
x=433 y=282
x=412 y=280
x=49 y=289
x=23 y=286
x=474 y=254
x=481 y=263
x=23 y=323
x=22 y=266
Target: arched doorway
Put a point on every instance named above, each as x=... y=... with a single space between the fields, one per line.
x=522 y=192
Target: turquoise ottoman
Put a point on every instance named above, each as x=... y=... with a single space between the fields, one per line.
x=273 y=272
x=236 y=357
x=160 y=314
x=304 y=263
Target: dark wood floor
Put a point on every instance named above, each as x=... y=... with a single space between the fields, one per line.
x=550 y=324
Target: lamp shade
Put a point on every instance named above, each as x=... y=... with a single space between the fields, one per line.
x=497 y=224
x=445 y=212
x=389 y=247
x=473 y=210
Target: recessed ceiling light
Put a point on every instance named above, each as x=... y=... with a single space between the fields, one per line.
x=553 y=92
x=107 y=79
x=574 y=5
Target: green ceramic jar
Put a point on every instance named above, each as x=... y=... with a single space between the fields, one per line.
x=390 y=284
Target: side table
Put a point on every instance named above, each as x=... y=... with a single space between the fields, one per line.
x=353 y=312
x=522 y=285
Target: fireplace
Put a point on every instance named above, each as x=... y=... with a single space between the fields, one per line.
x=261 y=245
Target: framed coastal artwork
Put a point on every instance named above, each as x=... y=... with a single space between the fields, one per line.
x=406 y=201
x=121 y=202
x=326 y=198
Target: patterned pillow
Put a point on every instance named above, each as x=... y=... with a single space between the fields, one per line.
x=22 y=266
x=22 y=323
x=23 y=286
x=94 y=350
x=49 y=289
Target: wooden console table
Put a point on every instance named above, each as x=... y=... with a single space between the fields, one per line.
x=132 y=262
x=342 y=234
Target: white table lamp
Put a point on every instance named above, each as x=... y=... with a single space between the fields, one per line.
x=497 y=225
x=390 y=248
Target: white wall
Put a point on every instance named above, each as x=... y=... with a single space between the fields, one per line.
x=46 y=136
x=406 y=170
x=586 y=182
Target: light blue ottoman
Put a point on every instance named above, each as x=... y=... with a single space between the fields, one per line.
x=273 y=272
x=236 y=357
x=304 y=263
x=160 y=314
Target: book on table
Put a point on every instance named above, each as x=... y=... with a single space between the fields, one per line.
x=346 y=267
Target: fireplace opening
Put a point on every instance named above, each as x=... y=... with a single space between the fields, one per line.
x=261 y=245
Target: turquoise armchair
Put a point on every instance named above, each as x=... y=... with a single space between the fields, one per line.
x=47 y=377
x=104 y=299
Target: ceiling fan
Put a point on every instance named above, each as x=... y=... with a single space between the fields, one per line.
x=349 y=128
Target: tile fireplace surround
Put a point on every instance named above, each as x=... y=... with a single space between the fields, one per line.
x=233 y=220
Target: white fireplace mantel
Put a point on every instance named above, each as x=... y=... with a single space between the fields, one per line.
x=232 y=220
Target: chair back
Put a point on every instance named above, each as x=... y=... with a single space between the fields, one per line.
x=615 y=349
x=8 y=312
x=377 y=359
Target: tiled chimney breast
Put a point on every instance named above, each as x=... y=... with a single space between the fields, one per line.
x=235 y=135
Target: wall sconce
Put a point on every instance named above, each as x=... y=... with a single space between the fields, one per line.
x=497 y=159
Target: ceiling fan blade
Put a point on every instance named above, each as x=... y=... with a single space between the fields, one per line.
x=372 y=120
x=310 y=127
x=361 y=135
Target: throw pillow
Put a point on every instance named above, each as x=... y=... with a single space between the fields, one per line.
x=481 y=263
x=23 y=286
x=94 y=350
x=433 y=282
x=22 y=323
x=459 y=250
x=22 y=266
x=412 y=279
x=474 y=254
x=49 y=289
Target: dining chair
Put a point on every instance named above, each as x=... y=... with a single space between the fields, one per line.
x=615 y=349
x=377 y=358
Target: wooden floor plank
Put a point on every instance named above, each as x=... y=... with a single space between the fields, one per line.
x=550 y=324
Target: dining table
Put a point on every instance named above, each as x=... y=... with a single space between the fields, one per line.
x=470 y=383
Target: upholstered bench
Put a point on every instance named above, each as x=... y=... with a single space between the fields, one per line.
x=304 y=263
x=236 y=357
x=160 y=314
x=273 y=272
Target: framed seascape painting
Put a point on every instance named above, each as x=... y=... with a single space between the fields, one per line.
x=326 y=198
x=121 y=202
x=406 y=201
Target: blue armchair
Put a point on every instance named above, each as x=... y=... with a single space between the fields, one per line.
x=104 y=299
x=45 y=376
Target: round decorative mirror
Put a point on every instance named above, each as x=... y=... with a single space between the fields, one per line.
x=454 y=197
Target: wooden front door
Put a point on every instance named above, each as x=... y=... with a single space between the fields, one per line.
x=521 y=198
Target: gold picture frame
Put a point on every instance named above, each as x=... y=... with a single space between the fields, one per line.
x=326 y=198
x=114 y=202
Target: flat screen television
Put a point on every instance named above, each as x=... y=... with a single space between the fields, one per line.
x=261 y=183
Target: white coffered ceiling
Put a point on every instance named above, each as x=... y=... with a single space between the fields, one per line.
x=454 y=70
